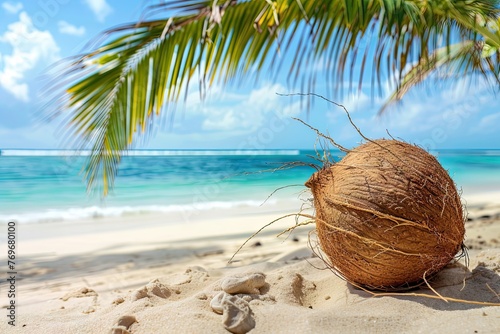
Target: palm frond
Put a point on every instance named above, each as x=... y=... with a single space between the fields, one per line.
x=111 y=94
x=452 y=62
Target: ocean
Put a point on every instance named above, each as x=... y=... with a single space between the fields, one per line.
x=39 y=186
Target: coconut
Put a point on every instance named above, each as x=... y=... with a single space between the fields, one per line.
x=388 y=215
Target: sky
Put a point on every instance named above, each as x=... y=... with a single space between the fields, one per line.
x=36 y=34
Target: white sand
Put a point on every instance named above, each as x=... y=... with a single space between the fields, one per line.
x=82 y=277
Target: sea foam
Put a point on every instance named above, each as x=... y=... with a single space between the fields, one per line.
x=94 y=212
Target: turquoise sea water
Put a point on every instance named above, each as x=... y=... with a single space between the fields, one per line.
x=40 y=186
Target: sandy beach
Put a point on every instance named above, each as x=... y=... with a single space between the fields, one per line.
x=160 y=274
x=171 y=167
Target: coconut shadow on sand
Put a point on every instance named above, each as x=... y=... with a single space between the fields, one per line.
x=454 y=281
x=48 y=267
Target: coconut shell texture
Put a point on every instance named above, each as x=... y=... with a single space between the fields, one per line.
x=387 y=215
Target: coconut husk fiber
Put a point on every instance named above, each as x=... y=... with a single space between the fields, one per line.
x=388 y=215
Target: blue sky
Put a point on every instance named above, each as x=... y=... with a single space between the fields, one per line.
x=35 y=34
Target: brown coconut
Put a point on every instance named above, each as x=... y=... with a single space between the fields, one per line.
x=387 y=215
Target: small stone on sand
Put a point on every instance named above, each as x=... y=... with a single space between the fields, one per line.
x=249 y=284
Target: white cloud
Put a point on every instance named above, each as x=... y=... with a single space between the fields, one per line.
x=250 y=112
x=34 y=135
x=444 y=118
x=100 y=8
x=488 y=124
x=69 y=29
x=30 y=48
x=359 y=102
x=240 y=119
x=12 y=7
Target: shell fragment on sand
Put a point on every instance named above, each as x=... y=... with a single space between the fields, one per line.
x=217 y=301
x=237 y=317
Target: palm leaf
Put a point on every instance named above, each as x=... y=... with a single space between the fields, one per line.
x=111 y=94
x=454 y=62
